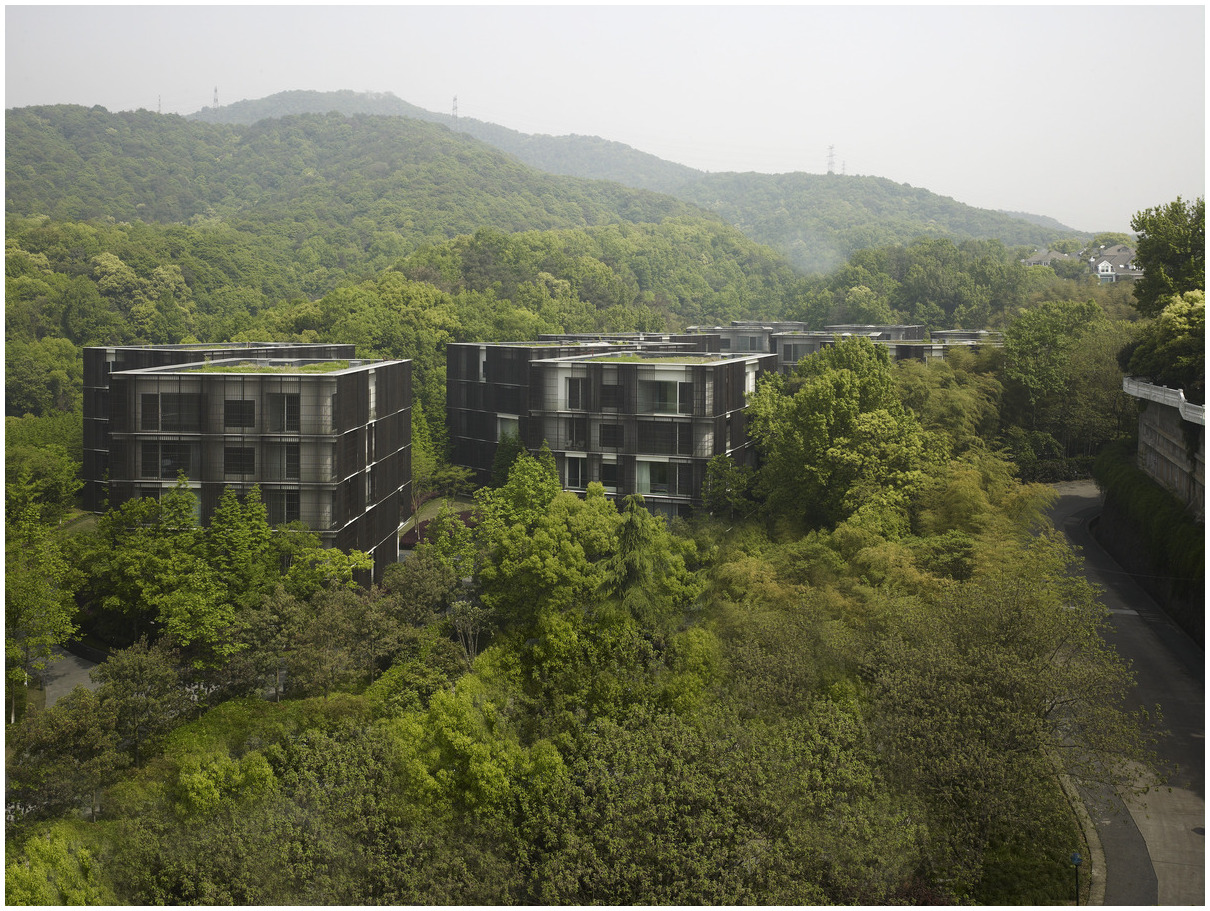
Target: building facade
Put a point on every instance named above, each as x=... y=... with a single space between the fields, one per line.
x=327 y=441
x=643 y=421
x=100 y=362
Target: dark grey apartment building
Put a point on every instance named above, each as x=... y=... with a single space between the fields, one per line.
x=100 y=362
x=328 y=441
x=637 y=418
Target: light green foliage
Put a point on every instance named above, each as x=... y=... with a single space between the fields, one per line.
x=54 y=868
x=204 y=786
x=39 y=609
x=1171 y=251
x=1171 y=351
x=1037 y=347
x=836 y=438
x=1061 y=379
x=312 y=567
x=552 y=558
x=47 y=474
x=239 y=546
x=952 y=398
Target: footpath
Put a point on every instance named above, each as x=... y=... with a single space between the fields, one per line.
x=64 y=674
x=1154 y=845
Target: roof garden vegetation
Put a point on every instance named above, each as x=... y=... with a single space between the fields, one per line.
x=254 y=367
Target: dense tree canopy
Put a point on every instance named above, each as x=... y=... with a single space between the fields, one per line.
x=1171 y=251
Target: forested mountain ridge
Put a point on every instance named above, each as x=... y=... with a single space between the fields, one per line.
x=356 y=173
x=573 y=156
x=819 y=220
x=816 y=220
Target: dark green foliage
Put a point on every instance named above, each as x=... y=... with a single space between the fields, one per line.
x=339 y=189
x=506 y=454
x=142 y=687
x=1171 y=252
x=63 y=756
x=1171 y=351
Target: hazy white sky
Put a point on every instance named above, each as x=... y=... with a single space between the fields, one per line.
x=1084 y=113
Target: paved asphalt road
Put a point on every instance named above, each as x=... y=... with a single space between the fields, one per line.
x=1155 y=850
x=64 y=674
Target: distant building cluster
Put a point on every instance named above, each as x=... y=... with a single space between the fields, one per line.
x=1109 y=264
x=327 y=436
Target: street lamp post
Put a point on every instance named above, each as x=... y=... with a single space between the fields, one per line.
x=1076 y=860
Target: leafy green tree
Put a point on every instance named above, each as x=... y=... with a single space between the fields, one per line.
x=42 y=375
x=140 y=555
x=728 y=487
x=63 y=756
x=646 y=575
x=54 y=869
x=141 y=686
x=323 y=641
x=239 y=546
x=507 y=451
x=1056 y=361
x=835 y=436
x=1171 y=351
x=49 y=474
x=1171 y=252
x=39 y=608
x=979 y=694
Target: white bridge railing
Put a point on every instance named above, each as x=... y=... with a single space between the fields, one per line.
x=1174 y=398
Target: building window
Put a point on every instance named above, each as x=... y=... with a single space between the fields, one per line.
x=507 y=426
x=611 y=436
x=577 y=393
x=174 y=459
x=657 y=396
x=684 y=439
x=181 y=411
x=611 y=396
x=284 y=412
x=577 y=478
x=653 y=477
x=239 y=460
x=577 y=434
x=151 y=411
x=150 y=462
x=282 y=506
x=609 y=475
x=684 y=479
x=239 y=413
x=684 y=402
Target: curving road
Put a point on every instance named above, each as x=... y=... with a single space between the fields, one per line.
x=1154 y=847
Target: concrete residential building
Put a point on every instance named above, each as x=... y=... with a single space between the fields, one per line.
x=100 y=362
x=643 y=421
x=327 y=441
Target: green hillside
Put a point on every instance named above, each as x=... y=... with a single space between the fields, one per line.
x=573 y=156
x=816 y=220
x=367 y=182
x=819 y=220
